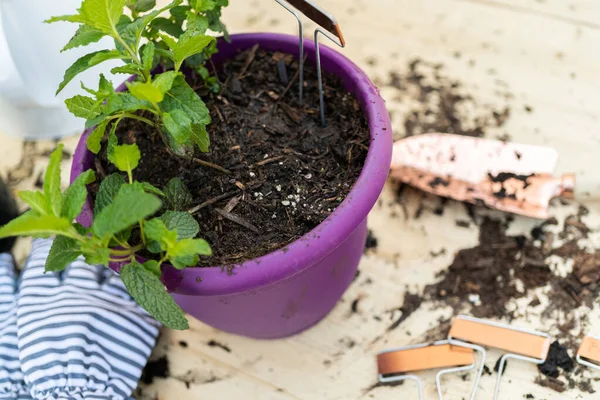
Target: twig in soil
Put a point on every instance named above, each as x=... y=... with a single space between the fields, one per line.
x=219 y=114
x=211 y=165
x=219 y=198
x=212 y=201
x=249 y=60
x=291 y=82
x=237 y=219
x=269 y=160
x=232 y=204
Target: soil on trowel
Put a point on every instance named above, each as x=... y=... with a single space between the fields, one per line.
x=273 y=172
x=484 y=276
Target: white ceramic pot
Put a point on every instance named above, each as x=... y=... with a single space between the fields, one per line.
x=32 y=66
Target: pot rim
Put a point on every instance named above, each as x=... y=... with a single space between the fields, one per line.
x=329 y=234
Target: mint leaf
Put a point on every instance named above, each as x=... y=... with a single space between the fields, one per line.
x=85 y=35
x=167 y=26
x=126 y=157
x=94 y=141
x=113 y=142
x=150 y=293
x=144 y=5
x=83 y=107
x=126 y=210
x=146 y=91
x=189 y=44
x=158 y=236
x=148 y=188
x=118 y=102
x=148 y=56
x=154 y=267
x=183 y=97
x=179 y=128
x=86 y=62
x=185 y=252
x=164 y=82
x=33 y=224
x=177 y=194
x=52 y=191
x=182 y=222
x=133 y=32
x=36 y=201
x=102 y=14
x=109 y=188
x=196 y=22
x=64 y=251
x=95 y=252
x=127 y=69
x=200 y=137
x=76 y=194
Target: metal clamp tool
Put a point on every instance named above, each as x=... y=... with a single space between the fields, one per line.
x=399 y=364
x=519 y=343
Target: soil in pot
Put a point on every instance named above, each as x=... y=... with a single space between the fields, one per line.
x=280 y=173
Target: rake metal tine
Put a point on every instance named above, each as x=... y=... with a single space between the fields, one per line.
x=319 y=73
x=301 y=49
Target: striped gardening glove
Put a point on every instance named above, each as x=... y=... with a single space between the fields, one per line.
x=12 y=385
x=80 y=334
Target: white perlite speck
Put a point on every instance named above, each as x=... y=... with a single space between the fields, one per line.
x=475 y=299
x=285 y=202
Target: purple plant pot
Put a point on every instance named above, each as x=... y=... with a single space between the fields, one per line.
x=289 y=290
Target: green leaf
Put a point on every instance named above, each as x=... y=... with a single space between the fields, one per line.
x=33 y=224
x=154 y=267
x=179 y=125
x=177 y=194
x=78 y=19
x=113 y=142
x=148 y=188
x=133 y=32
x=36 y=201
x=197 y=22
x=185 y=252
x=52 y=191
x=76 y=194
x=118 y=102
x=164 y=82
x=182 y=222
x=64 y=251
x=126 y=157
x=83 y=107
x=150 y=293
x=183 y=97
x=86 y=62
x=94 y=141
x=126 y=210
x=200 y=137
x=127 y=69
x=190 y=43
x=167 y=26
x=144 y=5
x=85 y=35
x=102 y=14
x=95 y=252
x=148 y=56
x=108 y=190
x=158 y=237
x=169 y=41
x=146 y=92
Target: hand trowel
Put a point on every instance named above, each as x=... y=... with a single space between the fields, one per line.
x=511 y=177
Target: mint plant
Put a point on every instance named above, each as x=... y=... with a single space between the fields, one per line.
x=129 y=216
x=144 y=41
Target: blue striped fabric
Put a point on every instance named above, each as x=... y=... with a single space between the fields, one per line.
x=80 y=335
x=12 y=385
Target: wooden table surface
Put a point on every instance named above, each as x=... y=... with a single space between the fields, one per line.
x=546 y=54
